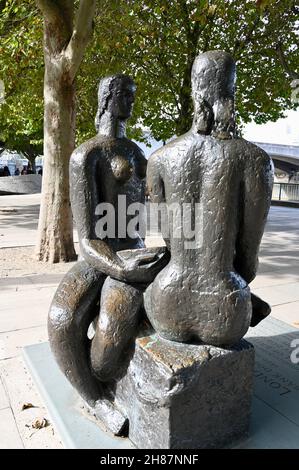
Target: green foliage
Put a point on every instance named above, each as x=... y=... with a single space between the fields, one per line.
x=156 y=42
x=21 y=60
x=160 y=40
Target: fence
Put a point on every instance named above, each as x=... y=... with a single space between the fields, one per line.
x=285 y=192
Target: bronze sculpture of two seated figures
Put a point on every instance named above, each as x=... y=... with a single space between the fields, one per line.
x=187 y=292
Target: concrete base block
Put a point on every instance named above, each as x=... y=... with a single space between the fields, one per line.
x=182 y=396
x=22 y=184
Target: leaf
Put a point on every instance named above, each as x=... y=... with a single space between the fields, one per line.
x=25 y=406
x=40 y=423
x=148 y=40
x=212 y=10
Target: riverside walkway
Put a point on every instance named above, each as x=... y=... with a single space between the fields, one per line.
x=27 y=288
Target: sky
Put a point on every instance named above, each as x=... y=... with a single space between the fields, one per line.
x=284 y=131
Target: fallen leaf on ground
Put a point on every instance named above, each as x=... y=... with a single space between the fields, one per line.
x=25 y=406
x=40 y=423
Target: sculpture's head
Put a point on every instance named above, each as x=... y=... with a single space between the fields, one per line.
x=213 y=89
x=116 y=95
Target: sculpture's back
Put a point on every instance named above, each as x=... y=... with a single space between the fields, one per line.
x=223 y=185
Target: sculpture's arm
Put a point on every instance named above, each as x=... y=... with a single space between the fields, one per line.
x=256 y=190
x=85 y=197
x=156 y=192
x=84 y=200
x=154 y=182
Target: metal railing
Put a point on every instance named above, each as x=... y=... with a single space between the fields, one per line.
x=285 y=192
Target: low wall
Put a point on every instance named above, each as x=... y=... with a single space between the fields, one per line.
x=284 y=203
x=23 y=184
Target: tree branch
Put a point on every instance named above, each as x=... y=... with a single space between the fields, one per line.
x=58 y=16
x=82 y=33
x=51 y=10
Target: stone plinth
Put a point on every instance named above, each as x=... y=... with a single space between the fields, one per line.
x=186 y=396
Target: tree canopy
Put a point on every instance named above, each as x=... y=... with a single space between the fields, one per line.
x=158 y=41
x=155 y=42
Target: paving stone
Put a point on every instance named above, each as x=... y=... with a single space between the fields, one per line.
x=21 y=389
x=289 y=312
x=24 y=311
x=11 y=343
x=4 y=402
x=280 y=294
x=9 y=435
x=15 y=284
x=275 y=278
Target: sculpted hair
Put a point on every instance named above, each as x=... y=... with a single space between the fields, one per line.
x=213 y=90
x=106 y=88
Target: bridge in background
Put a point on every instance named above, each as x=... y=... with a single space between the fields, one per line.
x=285 y=157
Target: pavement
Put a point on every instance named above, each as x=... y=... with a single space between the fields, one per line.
x=25 y=301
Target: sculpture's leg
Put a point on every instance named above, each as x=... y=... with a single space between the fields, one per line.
x=260 y=310
x=116 y=328
x=75 y=305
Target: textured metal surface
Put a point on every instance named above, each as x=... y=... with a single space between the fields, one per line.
x=203 y=292
x=110 y=416
x=195 y=395
x=103 y=287
x=187 y=396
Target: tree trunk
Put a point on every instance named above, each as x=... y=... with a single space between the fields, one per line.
x=67 y=30
x=31 y=156
x=55 y=229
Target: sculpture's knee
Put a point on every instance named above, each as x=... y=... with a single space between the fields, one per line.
x=70 y=346
x=107 y=349
x=116 y=328
x=60 y=319
x=105 y=371
x=75 y=303
x=62 y=336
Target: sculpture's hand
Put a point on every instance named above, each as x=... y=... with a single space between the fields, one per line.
x=145 y=267
x=129 y=265
x=99 y=254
